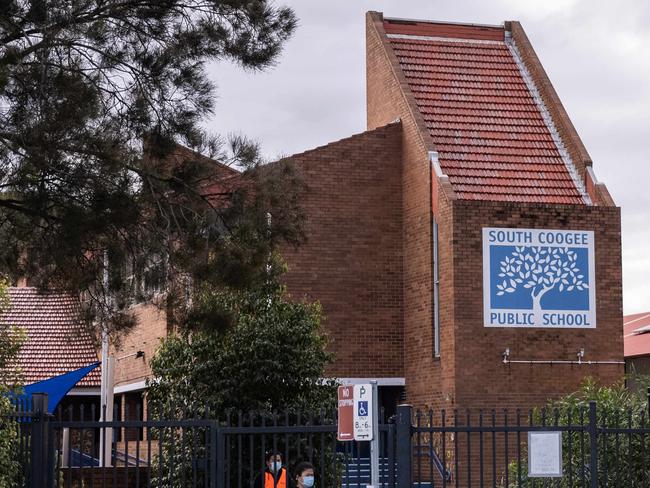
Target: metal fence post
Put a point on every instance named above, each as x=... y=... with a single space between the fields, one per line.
x=404 y=451
x=39 y=440
x=221 y=459
x=593 y=442
x=215 y=462
x=391 y=454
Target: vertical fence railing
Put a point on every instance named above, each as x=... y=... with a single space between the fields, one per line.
x=39 y=461
x=605 y=447
x=172 y=453
x=20 y=419
x=404 y=449
x=186 y=449
x=593 y=447
x=601 y=447
x=299 y=437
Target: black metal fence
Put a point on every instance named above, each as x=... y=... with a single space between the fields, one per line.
x=188 y=449
x=417 y=449
x=463 y=449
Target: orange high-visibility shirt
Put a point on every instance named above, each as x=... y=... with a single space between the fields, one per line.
x=269 y=481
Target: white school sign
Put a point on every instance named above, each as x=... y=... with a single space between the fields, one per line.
x=538 y=278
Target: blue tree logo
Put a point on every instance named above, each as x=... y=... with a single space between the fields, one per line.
x=540 y=269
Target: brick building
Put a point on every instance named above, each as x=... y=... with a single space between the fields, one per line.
x=465 y=132
x=413 y=225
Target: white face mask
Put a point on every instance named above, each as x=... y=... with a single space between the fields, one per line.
x=276 y=466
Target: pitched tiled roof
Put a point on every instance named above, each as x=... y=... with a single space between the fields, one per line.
x=636 y=334
x=481 y=109
x=56 y=342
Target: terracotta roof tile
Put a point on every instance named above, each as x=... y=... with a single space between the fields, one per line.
x=492 y=140
x=56 y=341
x=636 y=334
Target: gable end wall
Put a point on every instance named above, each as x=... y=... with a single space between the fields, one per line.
x=352 y=260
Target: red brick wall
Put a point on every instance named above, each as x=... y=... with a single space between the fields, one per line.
x=152 y=324
x=368 y=260
x=352 y=261
x=388 y=98
x=469 y=371
x=481 y=378
x=150 y=328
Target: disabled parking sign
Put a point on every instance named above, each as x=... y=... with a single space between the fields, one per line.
x=363 y=412
x=363 y=409
x=539 y=278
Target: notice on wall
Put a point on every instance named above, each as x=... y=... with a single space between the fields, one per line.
x=539 y=278
x=545 y=454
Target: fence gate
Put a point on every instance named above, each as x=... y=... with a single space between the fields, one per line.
x=63 y=450
x=486 y=449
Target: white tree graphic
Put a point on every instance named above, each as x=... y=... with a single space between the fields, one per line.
x=540 y=269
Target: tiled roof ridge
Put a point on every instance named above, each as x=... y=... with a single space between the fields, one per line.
x=402 y=20
x=443 y=29
x=566 y=157
x=39 y=291
x=442 y=39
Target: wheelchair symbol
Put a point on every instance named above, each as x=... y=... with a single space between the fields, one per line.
x=362 y=409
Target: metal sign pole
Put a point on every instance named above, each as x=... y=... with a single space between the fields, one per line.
x=374 y=443
x=103 y=390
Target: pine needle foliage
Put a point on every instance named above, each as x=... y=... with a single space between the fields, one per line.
x=95 y=98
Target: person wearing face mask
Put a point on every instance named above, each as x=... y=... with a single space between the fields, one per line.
x=305 y=475
x=274 y=475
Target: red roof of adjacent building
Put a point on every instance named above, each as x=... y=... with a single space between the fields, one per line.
x=483 y=113
x=56 y=340
x=636 y=334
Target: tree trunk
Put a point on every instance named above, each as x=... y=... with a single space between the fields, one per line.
x=537 y=305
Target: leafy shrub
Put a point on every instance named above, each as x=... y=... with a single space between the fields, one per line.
x=10 y=341
x=622 y=458
x=270 y=358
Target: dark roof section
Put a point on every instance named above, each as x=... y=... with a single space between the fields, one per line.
x=444 y=29
x=56 y=340
x=486 y=121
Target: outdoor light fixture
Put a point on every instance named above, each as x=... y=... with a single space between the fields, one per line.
x=137 y=354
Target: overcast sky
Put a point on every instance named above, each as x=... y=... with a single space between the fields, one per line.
x=596 y=52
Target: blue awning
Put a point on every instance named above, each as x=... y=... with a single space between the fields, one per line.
x=56 y=387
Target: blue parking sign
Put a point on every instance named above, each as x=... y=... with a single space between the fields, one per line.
x=362 y=409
